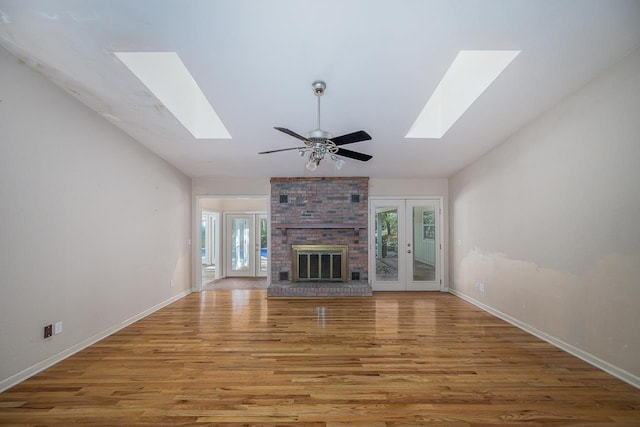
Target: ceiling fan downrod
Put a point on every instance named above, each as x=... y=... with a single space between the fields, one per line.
x=318 y=134
x=318 y=90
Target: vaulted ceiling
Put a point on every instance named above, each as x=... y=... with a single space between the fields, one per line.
x=255 y=61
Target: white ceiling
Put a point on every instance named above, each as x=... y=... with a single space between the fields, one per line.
x=255 y=60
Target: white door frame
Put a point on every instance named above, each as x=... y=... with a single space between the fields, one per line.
x=403 y=283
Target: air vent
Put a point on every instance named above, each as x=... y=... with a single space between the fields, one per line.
x=284 y=198
x=284 y=276
x=355 y=198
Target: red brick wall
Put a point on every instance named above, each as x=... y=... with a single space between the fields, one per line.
x=319 y=201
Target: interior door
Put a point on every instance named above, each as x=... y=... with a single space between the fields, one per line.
x=246 y=245
x=405 y=245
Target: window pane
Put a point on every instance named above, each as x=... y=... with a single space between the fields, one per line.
x=386 y=235
x=424 y=250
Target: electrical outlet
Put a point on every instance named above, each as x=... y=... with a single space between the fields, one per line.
x=48 y=331
x=57 y=328
x=171 y=283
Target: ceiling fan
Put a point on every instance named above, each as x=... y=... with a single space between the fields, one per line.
x=320 y=143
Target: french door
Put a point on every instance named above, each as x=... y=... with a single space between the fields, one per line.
x=405 y=251
x=246 y=245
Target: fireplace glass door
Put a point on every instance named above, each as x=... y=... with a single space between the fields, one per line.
x=405 y=245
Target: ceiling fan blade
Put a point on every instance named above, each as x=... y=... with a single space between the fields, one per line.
x=283 y=149
x=353 y=154
x=293 y=134
x=350 y=138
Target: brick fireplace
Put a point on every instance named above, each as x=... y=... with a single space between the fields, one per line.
x=315 y=214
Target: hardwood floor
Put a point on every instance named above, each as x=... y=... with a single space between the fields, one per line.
x=394 y=359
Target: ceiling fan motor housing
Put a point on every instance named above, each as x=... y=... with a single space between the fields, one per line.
x=318 y=135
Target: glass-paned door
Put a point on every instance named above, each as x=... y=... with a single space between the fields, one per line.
x=209 y=246
x=204 y=252
x=386 y=239
x=405 y=250
x=263 y=255
x=245 y=246
x=421 y=250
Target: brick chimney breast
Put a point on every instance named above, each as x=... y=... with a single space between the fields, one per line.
x=319 y=211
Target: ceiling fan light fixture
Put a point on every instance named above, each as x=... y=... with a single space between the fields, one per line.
x=339 y=163
x=312 y=164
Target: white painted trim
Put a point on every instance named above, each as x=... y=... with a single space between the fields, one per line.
x=617 y=372
x=41 y=366
x=444 y=246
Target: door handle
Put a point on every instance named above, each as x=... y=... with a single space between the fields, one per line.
x=409 y=251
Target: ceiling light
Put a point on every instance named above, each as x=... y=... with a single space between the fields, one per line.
x=471 y=72
x=338 y=162
x=312 y=164
x=164 y=74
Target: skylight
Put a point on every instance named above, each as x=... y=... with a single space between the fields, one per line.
x=470 y=73
x=165 y=75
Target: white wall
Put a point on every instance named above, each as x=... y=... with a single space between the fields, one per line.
x=233 y=204
x=550 y=222
x=408 y=187
x=94 y=226
x=230 y=186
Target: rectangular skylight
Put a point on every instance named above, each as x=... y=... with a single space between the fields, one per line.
x=166 y=76
x=471 y=72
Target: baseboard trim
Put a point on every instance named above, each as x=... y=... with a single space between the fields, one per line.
x=41 y=366
x=619 y=373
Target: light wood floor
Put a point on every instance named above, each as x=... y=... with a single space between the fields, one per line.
x=394 y=359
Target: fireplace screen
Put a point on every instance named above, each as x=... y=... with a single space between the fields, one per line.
x=319 y=263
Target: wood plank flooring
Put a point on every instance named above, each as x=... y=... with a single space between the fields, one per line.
x=394 y=359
